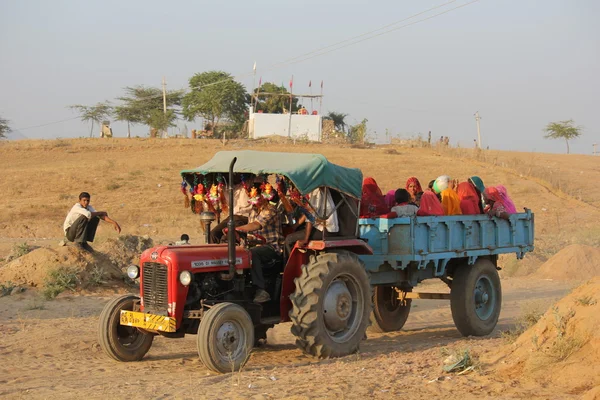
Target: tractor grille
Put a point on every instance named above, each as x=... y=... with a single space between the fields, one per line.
x=155 y=288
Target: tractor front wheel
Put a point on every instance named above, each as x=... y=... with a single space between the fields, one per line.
x=123 y=343
x=331 y=305
x=225 y=338
x=389 y=312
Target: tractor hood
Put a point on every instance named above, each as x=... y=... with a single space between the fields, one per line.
x=204 y=258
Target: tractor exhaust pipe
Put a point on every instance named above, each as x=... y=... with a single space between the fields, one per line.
x=230 y=228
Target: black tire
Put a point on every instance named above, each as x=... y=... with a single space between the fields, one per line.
x=389 y=314
x=225 y=338
x=476 y=298
x=123 y=343
x=334 y=282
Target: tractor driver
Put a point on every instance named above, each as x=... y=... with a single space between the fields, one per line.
x=264 y=221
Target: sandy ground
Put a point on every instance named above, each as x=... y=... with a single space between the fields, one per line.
x=53 y=353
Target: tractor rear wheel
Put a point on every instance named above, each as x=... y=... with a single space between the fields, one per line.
x=225 y=338
x=476 y=298
x=389 y=313
x=123 y=343
x=331 y=305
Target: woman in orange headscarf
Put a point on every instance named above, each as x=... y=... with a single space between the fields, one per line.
x=372 y=203
x=413 y=186
x=469 y=200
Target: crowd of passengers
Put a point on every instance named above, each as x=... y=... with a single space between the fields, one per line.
x=260 y=212
x=443 y=196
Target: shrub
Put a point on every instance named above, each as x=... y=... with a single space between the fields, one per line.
x=59 y=280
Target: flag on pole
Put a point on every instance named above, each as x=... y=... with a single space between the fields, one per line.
x=309 y=83
x=321 y=84
x=259 y=81
x=254 y=69
x=292 y=82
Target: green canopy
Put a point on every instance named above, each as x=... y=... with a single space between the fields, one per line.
x=306 y=171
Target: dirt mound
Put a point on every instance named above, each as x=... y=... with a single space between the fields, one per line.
x=563 y=348
x=109 y=260
x=575 y=262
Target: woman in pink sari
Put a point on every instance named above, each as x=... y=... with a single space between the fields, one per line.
x=413 y=186
x=495 y=205
x=508 y=203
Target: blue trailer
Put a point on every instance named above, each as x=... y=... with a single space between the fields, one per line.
x=461 y=250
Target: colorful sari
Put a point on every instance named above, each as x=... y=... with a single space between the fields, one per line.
x=430 y=205
x=450 y=202
x=469 y=200
x=498 y=208
x=508 y=203
x=372 y=203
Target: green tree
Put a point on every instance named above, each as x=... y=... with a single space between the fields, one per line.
x=94 y=114
x=215 y=96
x=339 y=120
x=142 y=105
x=274 y=99
x=4 y=128
x=358 y=133
x=563 y=130
x=123 y=113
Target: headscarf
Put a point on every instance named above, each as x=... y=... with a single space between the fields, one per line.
x=478 y=183
x=441 y=183
x=430 y=205
x=508 y=203
x=450 y=202
x=372 y=201
x=390 y=200
x=469 y=200
x=413 y=180
x=479 y=187
x=491 y=193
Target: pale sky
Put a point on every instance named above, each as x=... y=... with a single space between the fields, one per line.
x=520 y=63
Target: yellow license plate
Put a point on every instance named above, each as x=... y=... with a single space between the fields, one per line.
x=148 y=321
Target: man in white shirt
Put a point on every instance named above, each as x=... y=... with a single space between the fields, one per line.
x=241 y=211
x=314 y=231
x=82 y=221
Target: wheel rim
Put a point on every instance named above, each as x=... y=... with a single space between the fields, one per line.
x=485 y=298
x=342 y=308
x=391 y=303
x=230 y=341
x=129 y=337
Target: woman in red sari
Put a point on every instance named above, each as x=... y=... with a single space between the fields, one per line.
x=413 y=186
x=372 y=203
x=469 y=200
x=430 y=205
x=495 y=204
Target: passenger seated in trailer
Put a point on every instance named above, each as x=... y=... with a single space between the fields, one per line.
x=450 y=201
x=469 y=200
x=403 y=208
x=372 y=203
x=430 y=205
x=413 y=186
x=496 y=206
x=314 y=231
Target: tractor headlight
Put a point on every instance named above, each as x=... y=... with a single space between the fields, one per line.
x=133 y=271
x=185 y=277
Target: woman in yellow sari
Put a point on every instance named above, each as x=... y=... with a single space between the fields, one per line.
x=450 y=199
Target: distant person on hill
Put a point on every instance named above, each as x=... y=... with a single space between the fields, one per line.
x=82 y=221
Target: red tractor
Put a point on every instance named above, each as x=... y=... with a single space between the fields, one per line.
x=322 y=289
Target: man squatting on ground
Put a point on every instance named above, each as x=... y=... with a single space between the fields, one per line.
x=82 y=221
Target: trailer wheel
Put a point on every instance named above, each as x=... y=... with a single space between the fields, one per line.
x=389 y=313
x=476 y=298
x=331 y=305
x=123 y=343
x=225 y=338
